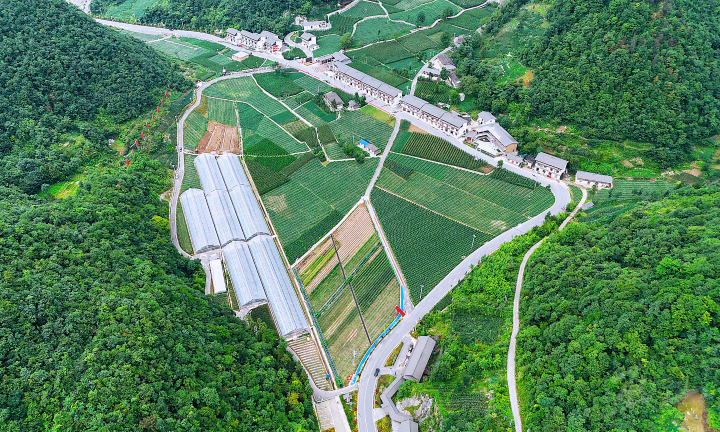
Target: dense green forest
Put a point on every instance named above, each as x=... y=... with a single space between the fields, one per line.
x=209 y=15
x=58 y=69
x=643 y=70
x=619 y=319
x=103 y=325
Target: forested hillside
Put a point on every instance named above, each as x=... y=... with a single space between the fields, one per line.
x=209 y=15
x=625 y=69
x=58 y=69
x=103 y=325
x=620 y=319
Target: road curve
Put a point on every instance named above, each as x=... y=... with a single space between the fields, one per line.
x=512 y=385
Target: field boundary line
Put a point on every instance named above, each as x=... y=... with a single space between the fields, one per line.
x=281 y=103
x=437 y=213
x=441 y=163
x=276 y=124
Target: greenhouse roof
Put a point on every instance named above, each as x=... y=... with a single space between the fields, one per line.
x=243 y=274
x=278 y=287
x=209 y=173
x=232 y=171
x=248 y=211
x=199 y=222
x=223 y=216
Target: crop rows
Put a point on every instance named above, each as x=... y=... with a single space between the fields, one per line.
x=235 y=89
x=576 y=193
x=311 y=85
x=265 y=104
x=385 y=52
x=183 y=234
x=633 y=189
x=193 y=130
x=307 y=135
x=299 y=99
x=377 y=29
x=434 y=148
x=181 y=50
x=381 y=73
x=222 y=111
x=364 y=9
x=270 y=130
x=190 y=179
x=432 y=91
x=426 y=245
x=372 y=279
x=309 y=116
x=278 y=84
x=360 y=125
x=514 y=178
x=432 y=11
x=284 y=117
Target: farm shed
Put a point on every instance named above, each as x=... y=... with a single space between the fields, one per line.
x=218 y=276
x=419 y=358
x=223 y=216
x=243 y=275
x=248 y=211
x=232 y=171
x=591 y=179
x=199 y=221
x=209 y=173
x=279 y=289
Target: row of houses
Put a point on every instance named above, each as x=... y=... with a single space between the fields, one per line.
x=364 y=83
x=555 y=167
x=263 y=41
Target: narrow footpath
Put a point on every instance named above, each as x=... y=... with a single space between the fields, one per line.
x=512 y=385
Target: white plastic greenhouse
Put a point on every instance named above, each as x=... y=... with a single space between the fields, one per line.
x=209 y=173
x=243 y=274
x=223 y=215
x=199 y=222
x=248 y=211
x=278 y=287
x=232 y=171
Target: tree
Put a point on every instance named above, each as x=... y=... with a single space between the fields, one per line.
x=420 y=19
x=454 y=97
x=445 y=39
x=346 y=41
x=447 y=12
x=443 y=74
x=500 y=163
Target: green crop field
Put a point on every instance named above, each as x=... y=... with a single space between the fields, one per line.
x=386 y=52
x=325 y=134
x=410 y=4
x=284 y=118
x=434 y=148
x=382 y=73
x=632 y=190
x=482 y=202
x=364 y=9
x=473 y=19
x=183 y=234
x=312 y=85
x=264 y=103
x=576 y=193
x=426 y=245
x=343 y=331
x=250 y=119
x=299 y=99
x=328 y=45
x=418 y=42
x=378 y=29
x=221 y=111
x=361 y=125
x=237 y=89
x=190 y=178
x=334 y=152
x=432 y=11
x=141 y=36
x=433 y=91
x=129 y=10
x=294 y=127
x=275 y=133
x=277 y=84
x=212 y=46
x=179 y=49
x=312 y=193
x=310 y=112
x=193 y=130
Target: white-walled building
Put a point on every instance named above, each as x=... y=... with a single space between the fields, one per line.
x=263 y=41
x=443 y=61
x=550 y=166
x=316 y=25
x=451 y=123
x=365 y=84
x=591 y=179
x=309 y=41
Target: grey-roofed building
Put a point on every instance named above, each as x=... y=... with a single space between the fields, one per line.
x=337 y=57
x=453 y=80
x=431 y=114
x=248 y=211
x=223 y=215
x=366 y=84
x=443 y=61
x=454 y=124
x=316 y=25
x=408 y=426
x=209 y=173
x=331 y=97
x=374 y=151
x=495 y=135
x=199 y=221
x=430 y=73
x=243 y=275
x=232 y=171
x=514 y=159
x=280 y=292
x=231 y=35
x=591 y=179
x=419 y=358
x=485 y=117
x=550 y=166
x=459 y=40
x=412 y=105
x=352 y=105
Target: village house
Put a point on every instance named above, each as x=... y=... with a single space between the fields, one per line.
x=487 y=130
x=430 y=73
x=316 y=25
x=550 y=166
x=412 y=105
x=331 y=97
x=365 y=84
x=443 y=61
x=591 y=179
x=369 y=147
x=240 y=55
x=264 y=41
x=309 y=41
x=514 y=158
x=453 y=80
x=337 y=57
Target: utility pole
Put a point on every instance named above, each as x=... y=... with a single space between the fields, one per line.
x=351 y=290
x=421 y=291
x=473 y=243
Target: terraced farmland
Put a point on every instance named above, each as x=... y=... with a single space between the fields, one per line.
x=378 y=29
x=191 y=178
x=426 y=245
x=222 y=111
x=278 y=84
x=299 y=208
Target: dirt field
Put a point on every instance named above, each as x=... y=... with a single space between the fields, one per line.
x=414 y=128
x=349 y=238
x=219 y=138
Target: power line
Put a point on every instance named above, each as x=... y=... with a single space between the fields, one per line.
x=351 y=290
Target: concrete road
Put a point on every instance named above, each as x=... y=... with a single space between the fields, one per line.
x=512 y=385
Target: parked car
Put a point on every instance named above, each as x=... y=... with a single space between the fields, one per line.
x=377 y=372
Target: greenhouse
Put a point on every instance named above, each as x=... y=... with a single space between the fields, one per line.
x=243 y=274
x=199 y=222
x=248 y=211
x=223 y=215
x=209 y=173
x=232 y=171
x=280 y=292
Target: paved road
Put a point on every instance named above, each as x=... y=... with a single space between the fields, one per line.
x=289 y=42
x=512 y=385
